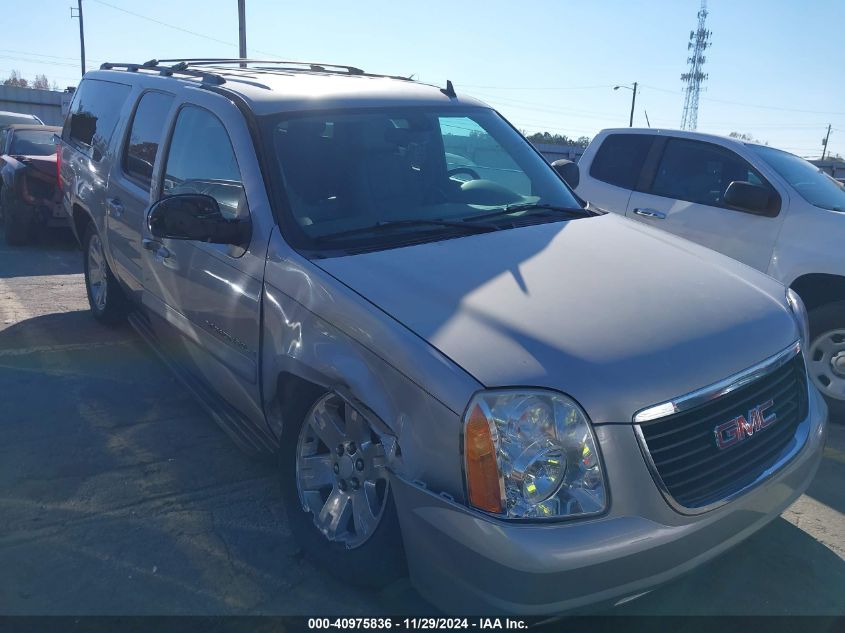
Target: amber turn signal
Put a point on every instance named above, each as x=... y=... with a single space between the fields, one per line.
x=482 y=471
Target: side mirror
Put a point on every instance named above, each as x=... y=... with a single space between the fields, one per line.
x=748 y=197
x=196 y=217
x=569 y=171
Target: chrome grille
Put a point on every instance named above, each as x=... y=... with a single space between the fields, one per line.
x=682 y=450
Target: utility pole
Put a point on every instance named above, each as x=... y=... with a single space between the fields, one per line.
x=824 y=142
x=241 y=30
x=81 y=33
x=633 y=101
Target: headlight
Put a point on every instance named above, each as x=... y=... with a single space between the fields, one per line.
x=799 y=311
x=531 y=454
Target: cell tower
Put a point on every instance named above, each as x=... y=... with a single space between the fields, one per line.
x=699 y=40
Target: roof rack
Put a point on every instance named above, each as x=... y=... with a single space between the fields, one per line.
x=198 y=67
x=167 y=71
x=312 y=66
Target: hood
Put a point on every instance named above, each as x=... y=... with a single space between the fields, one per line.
x=617 y=315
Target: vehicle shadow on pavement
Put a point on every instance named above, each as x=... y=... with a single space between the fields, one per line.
x=781 y=570
x=55 y=252
x=118 y=495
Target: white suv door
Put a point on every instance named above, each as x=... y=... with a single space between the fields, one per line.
x=681 y=190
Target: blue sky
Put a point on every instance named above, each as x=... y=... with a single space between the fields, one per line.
x=776 y=66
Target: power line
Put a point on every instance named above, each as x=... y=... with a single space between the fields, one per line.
x=602 y=86
x=39 y=61
x=31 y=54
x=52 y=77
x=749 y=105
x=159 y=22
x=177 y=28
x=527 y=105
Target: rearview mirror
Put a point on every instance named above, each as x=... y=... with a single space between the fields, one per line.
x=569 y=171
x=196 y=217
x=748 y=197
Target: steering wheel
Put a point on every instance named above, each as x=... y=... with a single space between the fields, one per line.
x=463 y=170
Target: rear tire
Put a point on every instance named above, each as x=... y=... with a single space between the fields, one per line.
x=371 y=556
x=105 y=296
x=826 y=356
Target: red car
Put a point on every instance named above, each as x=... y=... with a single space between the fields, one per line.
x=29 y=196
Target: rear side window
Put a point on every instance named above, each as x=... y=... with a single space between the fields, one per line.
x=620 y=158
x=145 y=136
x=699 y=172
x=94 y=114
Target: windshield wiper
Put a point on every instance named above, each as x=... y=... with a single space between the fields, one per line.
x=381 y=227
x=530 y=206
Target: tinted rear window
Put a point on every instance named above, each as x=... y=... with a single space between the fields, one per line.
x=620 y=158
x=145 y=135
x=94 y=114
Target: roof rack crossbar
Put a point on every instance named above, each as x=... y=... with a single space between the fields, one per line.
x=214 y=71
x=315 y=66
x=167 y=71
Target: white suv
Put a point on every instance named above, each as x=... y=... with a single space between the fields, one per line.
x=762 y=206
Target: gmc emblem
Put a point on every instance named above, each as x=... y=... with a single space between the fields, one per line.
x=736 y=430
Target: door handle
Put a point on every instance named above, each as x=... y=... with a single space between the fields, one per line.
x=651 y=213
x=115 y=207
x=160 y=250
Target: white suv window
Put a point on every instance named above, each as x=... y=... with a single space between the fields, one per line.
x=700 y=172
x=620 y=159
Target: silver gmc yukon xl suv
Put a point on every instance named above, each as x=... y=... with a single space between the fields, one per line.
x=465 y=372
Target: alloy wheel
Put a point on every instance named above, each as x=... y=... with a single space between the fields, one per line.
x=826 y=363
x=340 y=472
x=97 y=277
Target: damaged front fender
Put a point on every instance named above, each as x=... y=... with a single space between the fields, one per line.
x=320 y=331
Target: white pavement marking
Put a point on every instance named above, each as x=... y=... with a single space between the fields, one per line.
x=820 y=521
x=70 y=347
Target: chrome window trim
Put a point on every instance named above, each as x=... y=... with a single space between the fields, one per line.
x=701 y=396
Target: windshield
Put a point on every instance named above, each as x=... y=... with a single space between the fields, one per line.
x=33 y=143
x=811 y=183
x=383 y=177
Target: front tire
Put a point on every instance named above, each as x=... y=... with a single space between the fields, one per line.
x=826 y=356
x=105 y=296
x=336 y=493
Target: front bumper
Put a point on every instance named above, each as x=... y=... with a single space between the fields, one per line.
x=467 y=562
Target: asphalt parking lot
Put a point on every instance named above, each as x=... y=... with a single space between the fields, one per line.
x=119 y=496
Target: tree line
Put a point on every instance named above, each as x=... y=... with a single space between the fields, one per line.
x=39 y=83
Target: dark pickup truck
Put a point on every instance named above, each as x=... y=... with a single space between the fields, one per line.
x=29 y=198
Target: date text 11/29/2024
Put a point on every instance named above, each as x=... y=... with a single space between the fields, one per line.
x=410 y=624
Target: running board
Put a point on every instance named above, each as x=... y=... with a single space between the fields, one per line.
x=251 y=440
